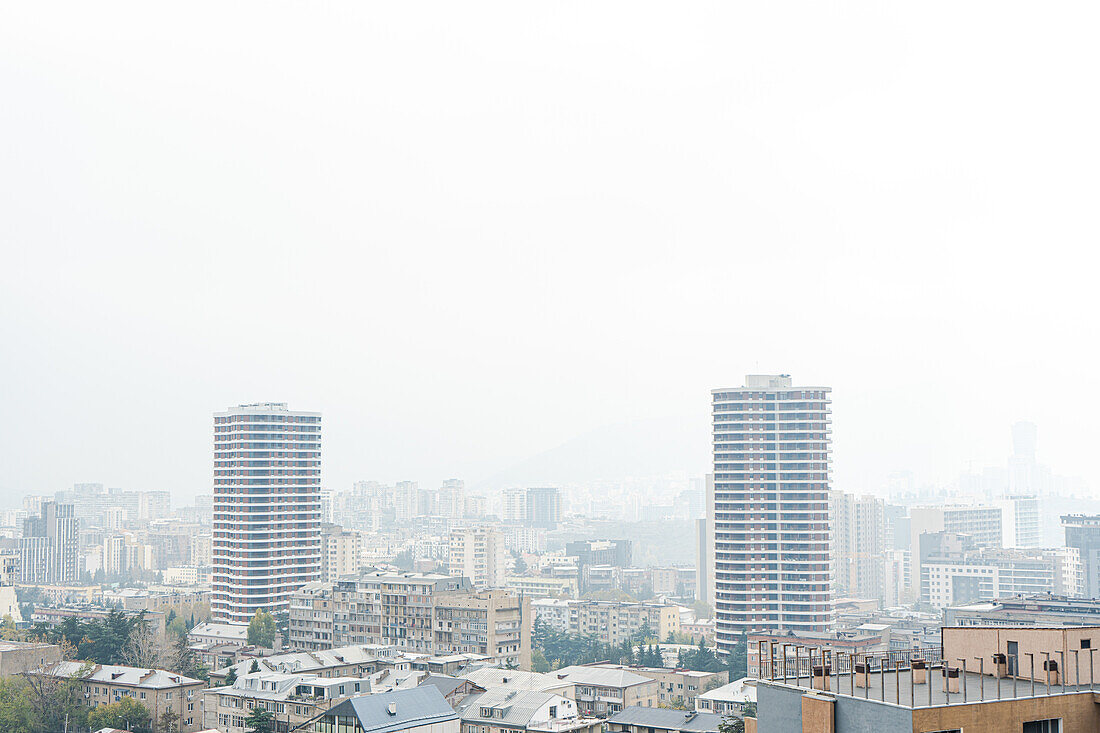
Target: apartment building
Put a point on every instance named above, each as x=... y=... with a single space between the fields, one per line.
x=477 y=553
x=772 y=446
x=857 y=542
x=267 y=508
x=493 y=623
x=293 y=699
x=611 y=622
x=540 y=586
x=603 y=692
x=1038 y=610
x=415 y=612
x=675 y=687
x=311 y=617
x=525 y=711
x=156 y=689
x=420 y=710
x=48 y=548
x=340 y=552
x=988 y=574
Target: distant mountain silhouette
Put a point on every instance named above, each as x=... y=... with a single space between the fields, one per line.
x=652 y=447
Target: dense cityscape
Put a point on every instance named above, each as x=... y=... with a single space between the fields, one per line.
x=573 y=367
x=277 y=603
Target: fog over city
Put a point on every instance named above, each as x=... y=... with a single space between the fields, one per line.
x=561 y=367
x=476 y=234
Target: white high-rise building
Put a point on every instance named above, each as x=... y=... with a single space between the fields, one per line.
x=772 y=448
x=267 y=508
x=857 y=530
x=514 y=508
x=477 y=553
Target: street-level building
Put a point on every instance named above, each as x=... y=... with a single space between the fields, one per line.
x=524 y=711
x=603 y=692
x=663 y=720
x=419 y=710
x=156 y=689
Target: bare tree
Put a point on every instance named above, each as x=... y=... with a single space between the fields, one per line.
x=146 y=648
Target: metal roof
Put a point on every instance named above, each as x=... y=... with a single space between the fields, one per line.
x=690 y=721
x=417 y=706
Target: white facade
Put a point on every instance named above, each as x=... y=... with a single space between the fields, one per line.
x=477 y=553
x=267 y=508
x=772 y=444
x=857 y=527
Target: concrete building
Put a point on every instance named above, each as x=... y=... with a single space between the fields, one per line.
x=660 y=720
x=543 y=507
x=311 y=617
x=772 y=444
x=514 y=505
x=611 y=622
x=1083 y=534
x=992 y=680
x=731 y=699
x=414 y=612
x=704 y=547
x=1040 y=610
x=987 y=574
x=857 y=542
x=477 y=553
x=526 y=711
x=538 y=586
x=1020 y=525
x=451 y=499
x=419 y=710
x=48 y=548
x=159 y=691
x=604 y=692
x=340 y=551
x=17 y=657
x=676 y=688
x=293 y=699
x=267 y=508
x=982 y=524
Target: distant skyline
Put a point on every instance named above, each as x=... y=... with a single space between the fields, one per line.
x=471 y=234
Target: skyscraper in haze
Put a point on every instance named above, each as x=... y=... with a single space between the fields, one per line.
x=267 y=508
x=770 y=508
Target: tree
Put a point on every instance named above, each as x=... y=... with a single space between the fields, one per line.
x=231 y=677
x=55 y=698
x=182 y=659
x=255 y=667
x=126 y=714
x=145 y=648
x=538 y=662
x=259 y=720
x=702 y=610
x=168 y=722
x=8 y=631
x=730 y=724
x=261 y=629
x=16 y=712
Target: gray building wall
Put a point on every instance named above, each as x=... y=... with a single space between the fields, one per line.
x=779 y=710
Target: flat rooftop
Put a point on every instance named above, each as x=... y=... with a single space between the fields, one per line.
x=895 y=688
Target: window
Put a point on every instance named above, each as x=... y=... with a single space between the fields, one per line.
x=1050 y=725
x=1086 y=643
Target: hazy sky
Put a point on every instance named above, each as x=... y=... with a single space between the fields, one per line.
x=470 y=232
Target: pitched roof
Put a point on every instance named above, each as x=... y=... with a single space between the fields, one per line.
x=418 y=706
x=600 y=676
x=664 y=718
x=518 y=706
x=445 y=683
x=118 y=675
x=490 y=677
